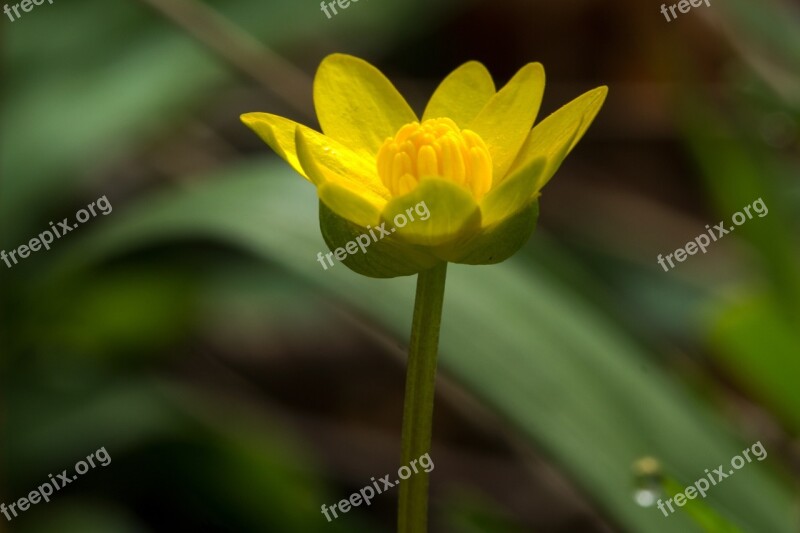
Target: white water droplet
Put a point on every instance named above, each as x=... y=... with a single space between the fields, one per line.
x=645 y=497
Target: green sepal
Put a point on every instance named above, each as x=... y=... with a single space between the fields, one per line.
x=497 y=243
x=388 y=257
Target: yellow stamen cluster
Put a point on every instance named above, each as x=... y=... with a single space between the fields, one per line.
x=437 y=147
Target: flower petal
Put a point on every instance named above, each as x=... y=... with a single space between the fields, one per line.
x=507 y=119
x=278 y=133
x=524 y=183
x=324 y=160
x=556 y=136
x=349 y=205
x=462 y=94
x=451 y=211
x=356 y=105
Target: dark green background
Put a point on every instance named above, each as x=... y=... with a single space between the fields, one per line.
x=237 y=386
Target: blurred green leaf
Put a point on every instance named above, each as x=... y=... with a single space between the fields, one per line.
x=547 y=362
x=737 y=174
x=761 y=346
x=772 y=24
x=702 y=513
x=755 y=337
x=119 y=314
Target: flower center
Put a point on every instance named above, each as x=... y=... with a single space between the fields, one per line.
x=437 y=147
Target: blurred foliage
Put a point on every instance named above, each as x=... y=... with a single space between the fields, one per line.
x=702 y=513
x=92 y=327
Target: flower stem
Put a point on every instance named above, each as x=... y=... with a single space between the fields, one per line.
x=418 y=407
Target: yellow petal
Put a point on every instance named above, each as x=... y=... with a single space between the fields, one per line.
x=449 y=211
x=324 y=160
x=278 y=133
x=349 y=204
x=557 y=135
x=506 y=120
x=356 y=105
x=462 y=94
x=522 y=185
x=594 y=100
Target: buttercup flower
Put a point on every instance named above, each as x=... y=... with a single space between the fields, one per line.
x=472 y=161
x=472 y=158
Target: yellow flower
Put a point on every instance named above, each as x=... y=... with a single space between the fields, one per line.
x=472 y=160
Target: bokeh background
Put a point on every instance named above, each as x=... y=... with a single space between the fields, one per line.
x=237 y=386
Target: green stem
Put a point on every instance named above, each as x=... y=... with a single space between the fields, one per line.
x=418 y=407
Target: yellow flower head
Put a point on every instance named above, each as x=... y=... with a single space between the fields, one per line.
x=472 y=160
x=438 y=148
